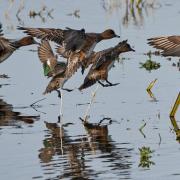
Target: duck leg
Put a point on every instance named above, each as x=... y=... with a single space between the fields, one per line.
x=111 y=84
x=82 y=69
x=107 y=85
x=59 y=93
x=103 y=85
x=66 y=89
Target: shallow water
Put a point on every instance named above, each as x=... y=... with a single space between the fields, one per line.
x=34 y=146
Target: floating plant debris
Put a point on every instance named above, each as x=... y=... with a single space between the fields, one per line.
x=151 y=85
x=145 y=156
x=150 y=65
x=175 y=107
x=75 y=13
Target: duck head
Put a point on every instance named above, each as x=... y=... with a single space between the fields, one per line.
x=108 y=34
x=28 y=40
x=124 y=47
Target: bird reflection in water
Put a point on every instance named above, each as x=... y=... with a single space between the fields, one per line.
x=66 y=156
x=9 y=117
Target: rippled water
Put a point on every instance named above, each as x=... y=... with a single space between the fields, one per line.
x=35 y=146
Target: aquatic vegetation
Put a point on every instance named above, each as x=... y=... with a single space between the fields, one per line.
x=175 y=107
x=151 y=95
x=20 y=9
x=150 y=65
x=136 y=11
x=138 y=2
x=145 y=156
x=151 y=85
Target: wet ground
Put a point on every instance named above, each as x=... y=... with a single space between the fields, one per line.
x=34 y=146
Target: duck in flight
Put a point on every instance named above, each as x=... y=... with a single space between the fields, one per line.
x=103 y=62
x=52 y=68
x=8 y=46
x=75 y=45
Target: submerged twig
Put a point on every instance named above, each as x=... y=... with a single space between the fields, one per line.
x=151 y=85
x=159 y=139
x=21 y=7
x=75 y=13
x=104 y=119
x=141 y=130
x=32 y=105
x=152 y=95
x=38 y=110
x=90 y=103
x=175 y=107
x=176 y=128
x=82 y=104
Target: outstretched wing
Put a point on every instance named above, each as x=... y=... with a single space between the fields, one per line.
x=45 y=52
x=70 y=38
x=74 y=40
x=169 y=44
x=5 y=44
x=51 y=34
x=72 y=65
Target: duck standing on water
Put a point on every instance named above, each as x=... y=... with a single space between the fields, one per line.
x=52 y=68
x=8 y=46
x=103 y=61
x=75 y=45
x=169 y=44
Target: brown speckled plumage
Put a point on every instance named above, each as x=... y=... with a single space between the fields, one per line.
x=169 y=44
x=8 y=46
x=103 y=61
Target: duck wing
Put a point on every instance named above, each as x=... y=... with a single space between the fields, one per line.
x=74 y=39
x=70 y=38
x=169 y=44
x=6 y=45
x=102 y=58
x=45 y=53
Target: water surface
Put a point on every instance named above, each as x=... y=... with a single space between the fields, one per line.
x=35 y=146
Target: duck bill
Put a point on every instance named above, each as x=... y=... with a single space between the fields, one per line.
x=132 y=50
x=35 y=42
x=117 y=36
